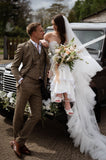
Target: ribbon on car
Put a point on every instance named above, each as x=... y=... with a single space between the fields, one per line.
x=91 y=42
x=78 y=50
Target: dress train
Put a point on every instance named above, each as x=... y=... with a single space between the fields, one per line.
x=82 y=126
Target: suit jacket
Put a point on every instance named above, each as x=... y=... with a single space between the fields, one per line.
x=32 y=62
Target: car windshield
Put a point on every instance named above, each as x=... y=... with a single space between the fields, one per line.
x=88 y=35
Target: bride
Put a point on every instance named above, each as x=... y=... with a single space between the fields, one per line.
x=73 y=86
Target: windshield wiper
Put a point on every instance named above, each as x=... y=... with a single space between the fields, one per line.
x=92 y=49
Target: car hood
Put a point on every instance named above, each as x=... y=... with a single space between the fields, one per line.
x=8 y=66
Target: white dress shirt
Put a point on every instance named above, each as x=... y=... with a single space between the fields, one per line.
x=35 y=44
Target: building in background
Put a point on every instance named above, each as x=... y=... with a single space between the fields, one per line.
x=96 y=17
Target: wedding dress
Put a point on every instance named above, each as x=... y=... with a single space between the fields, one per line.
x=82 y=125
x=66 y=80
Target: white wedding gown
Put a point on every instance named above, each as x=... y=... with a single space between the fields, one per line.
x=82 y=125
x=66 y=80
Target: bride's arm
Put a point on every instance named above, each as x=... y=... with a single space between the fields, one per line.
x=45 y=41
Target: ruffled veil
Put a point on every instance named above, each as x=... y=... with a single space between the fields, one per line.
x=82 y=126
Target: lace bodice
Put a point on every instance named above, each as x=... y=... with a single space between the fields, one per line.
x=52 y=46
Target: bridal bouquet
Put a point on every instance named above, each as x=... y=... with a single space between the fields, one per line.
x=66 y=54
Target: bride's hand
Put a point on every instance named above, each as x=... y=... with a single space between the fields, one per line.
x=49 y=74
x=44 y=43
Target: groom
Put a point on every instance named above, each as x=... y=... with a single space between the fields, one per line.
x=32 y=55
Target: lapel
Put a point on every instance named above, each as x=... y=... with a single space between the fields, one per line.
x=44 y=49
x=33 y=51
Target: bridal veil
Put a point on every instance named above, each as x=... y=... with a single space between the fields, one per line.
x=82 y=126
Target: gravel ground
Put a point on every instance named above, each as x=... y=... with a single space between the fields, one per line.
x=49 y=142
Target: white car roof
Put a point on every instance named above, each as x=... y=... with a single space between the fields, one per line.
x=85 y=26
x=88 y=25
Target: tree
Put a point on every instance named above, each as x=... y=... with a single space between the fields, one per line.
x=71 y=17
x=15 y=12
x=44 y=16
x=77 y=8
x=57 y=8
x=84 y=8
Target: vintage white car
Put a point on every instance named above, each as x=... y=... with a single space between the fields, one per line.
x=85 y=32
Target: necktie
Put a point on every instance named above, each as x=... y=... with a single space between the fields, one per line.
x=38 y=47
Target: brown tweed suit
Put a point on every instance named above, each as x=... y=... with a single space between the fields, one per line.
x=29 y=90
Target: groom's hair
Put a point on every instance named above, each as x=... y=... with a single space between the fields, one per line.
x=32 y=27
x=59 y=21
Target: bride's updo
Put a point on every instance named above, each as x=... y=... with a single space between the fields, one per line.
x=59 y=21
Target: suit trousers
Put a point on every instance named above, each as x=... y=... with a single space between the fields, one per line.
x=28 y=91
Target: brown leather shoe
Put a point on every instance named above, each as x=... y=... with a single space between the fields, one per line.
x=25 y=150
x=16 y=147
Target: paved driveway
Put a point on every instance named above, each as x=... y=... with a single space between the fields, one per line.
x=47 y=143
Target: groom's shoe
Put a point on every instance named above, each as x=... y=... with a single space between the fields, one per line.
x=25 y=150
x=17 y=148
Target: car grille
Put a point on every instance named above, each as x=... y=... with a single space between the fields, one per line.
x=9 y=83
x=1 y=78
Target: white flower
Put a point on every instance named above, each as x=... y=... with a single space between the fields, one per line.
x=72 y=48
x=46 y=102
x=65 y=54
x=11 y=100
x=54 y=57
x=49 y=100
x=9 y=95
x=2 y=94
x=44 y=107
x=56 y=106
x=67 y=59
x=50 y=54
x=49 y=113
x=29 y=109
x=57 y=50
x=47 y=107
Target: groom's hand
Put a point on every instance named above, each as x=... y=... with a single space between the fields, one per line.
x=20 y=80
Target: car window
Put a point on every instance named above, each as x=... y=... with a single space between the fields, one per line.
x=88 y=35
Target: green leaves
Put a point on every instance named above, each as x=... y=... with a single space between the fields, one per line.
x=14 y=13
x=66 y=54
x=54 y=110
x=85 y=8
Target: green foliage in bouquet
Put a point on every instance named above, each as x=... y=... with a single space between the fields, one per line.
x=66 y=54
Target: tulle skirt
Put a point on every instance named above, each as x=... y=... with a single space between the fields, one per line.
x=82 y=125
x=65 y=83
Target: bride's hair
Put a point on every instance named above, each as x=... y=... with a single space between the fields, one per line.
x=59 y=21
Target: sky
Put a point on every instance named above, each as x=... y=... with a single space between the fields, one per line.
x=37 y=4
